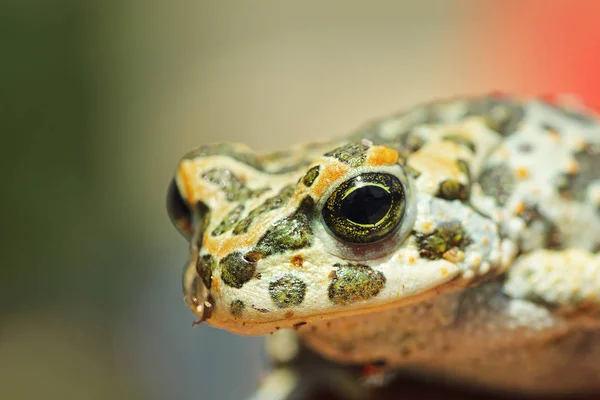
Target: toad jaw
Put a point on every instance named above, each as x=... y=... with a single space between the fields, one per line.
x=292 y=254
x=298 y=286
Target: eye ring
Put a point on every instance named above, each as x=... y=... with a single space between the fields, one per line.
x=366 y=208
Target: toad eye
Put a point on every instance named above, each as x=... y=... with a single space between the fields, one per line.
x=179 y=212
x=366 y=208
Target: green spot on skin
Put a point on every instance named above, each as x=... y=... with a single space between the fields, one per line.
x=354 y=282
x=287 y=291
x=227 y=181
x=541 y=225
x=231 y=185
x=452 y=189
x=229 y=221
x=353 y=154
x=407 y=143
x=311 y=175
x=501 y=115
x=289 y=233
x=237 y=308
x=575 y=186
x=236 y=269
x=205 y=266
x=269 y=204
x=448 y=235
x=498 y=181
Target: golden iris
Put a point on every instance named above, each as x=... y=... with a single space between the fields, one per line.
x=366 y=208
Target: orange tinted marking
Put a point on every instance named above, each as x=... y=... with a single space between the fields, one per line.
x=573 y=168
x=297 y=260
x=331 y=173
x=439 y=161
x=452 y=256
x=187 y=184
x=554 y=135
x=215 y=288
x=223 y=247
x=382 y=155
x=522 y=173
x=427 y=226
x=520 y=207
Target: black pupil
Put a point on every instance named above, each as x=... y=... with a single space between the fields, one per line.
x=366 y=205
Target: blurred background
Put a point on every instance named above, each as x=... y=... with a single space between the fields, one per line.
x=100 y=98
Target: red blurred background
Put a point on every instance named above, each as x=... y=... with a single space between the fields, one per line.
x=551 y=46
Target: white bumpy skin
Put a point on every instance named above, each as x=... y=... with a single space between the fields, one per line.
x=458 y=240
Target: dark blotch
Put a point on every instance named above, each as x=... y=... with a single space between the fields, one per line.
x=205 y=266
x=448 y=235
x=311 y=175
x=573 y=115
x=575 y=186
x=501 y=114
x=354 y=282
x=227 y=181
x=237 y=269
x=287 y=291
x=407 y=144
x=497 y=181
x=229 y=221
x=237 y=308
x=532 y=216
x=290 y=233
x=353 y=154
x=269 y=204
x=451 y=189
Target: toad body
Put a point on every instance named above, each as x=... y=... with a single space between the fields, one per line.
x=457 y=240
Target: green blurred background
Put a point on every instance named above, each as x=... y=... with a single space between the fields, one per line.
x=100 y=98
